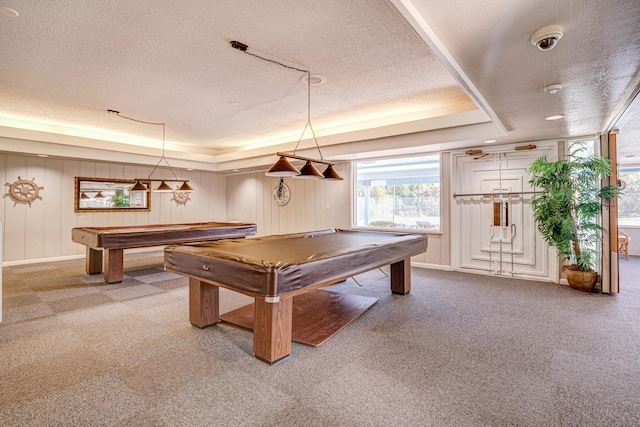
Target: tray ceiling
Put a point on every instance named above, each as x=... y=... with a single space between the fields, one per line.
x=453 y=73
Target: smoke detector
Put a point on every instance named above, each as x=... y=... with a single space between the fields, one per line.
x=547 y=37
x=553 y=89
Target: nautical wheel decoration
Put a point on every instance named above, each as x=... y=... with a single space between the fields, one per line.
x=281 y=193
x=181 y=197
x=24 y=191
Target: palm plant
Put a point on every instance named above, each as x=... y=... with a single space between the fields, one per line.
x=120 y=200
x=567 y=207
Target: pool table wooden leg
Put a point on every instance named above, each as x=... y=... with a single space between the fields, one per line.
x=93 y=261
x=272 y=329
x=113 y=265
x=204 y=303
x=401 y=277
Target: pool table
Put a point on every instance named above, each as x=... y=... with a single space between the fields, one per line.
x=115 y=239
x=274 y=269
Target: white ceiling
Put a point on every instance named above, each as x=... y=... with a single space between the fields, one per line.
x=443 y=74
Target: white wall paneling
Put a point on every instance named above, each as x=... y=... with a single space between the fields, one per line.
x=634 y=237
x=44 y=230
x=314 y=205
x=514 y=247
x=0 y=271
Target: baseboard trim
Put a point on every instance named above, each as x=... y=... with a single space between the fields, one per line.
x=431 y=266
x=70 y=257
x=38 y=260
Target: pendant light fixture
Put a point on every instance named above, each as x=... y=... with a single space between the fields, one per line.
x=97 y=195
x=308 y=171
x=283 y=167
x=138 y=186
x=331 y=173
x=185 y=187
x=163 y=187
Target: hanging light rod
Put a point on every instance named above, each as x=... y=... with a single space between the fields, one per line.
x=308 y=159
x=163 y=187
x=160 y=179
x=282 y=167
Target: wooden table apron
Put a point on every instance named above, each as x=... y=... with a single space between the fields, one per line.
x=272 y=314
x=113 y=240
x=272 y=328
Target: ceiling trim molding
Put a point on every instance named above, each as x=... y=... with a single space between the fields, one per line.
x=613 y=122
x=415 y=19
x=15 y=145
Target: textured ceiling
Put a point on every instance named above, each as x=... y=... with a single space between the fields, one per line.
x=444 y=68
x=597 y=60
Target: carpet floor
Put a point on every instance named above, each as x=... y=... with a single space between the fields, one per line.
x=459 y=350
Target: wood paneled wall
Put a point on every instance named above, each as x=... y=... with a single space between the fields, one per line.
x=44 y=229
x=314 y=205
x=318 y=205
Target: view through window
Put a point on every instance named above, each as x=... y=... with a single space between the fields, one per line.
x=402 y=193
x=629 y=202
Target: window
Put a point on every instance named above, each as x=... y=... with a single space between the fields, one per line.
x=629 y=202
x=401 y=193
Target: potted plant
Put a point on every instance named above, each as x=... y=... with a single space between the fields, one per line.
x=120 y=200
x=566 y=209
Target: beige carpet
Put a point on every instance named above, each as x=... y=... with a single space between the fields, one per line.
x=317 y=315
x=460 y=350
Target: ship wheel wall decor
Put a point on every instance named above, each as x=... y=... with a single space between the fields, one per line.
x=181 y=197
x=24 y=191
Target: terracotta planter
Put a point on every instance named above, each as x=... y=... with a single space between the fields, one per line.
x=581 y=280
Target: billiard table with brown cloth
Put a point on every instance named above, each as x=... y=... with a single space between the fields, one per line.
x=273 y=269
x=115 y=239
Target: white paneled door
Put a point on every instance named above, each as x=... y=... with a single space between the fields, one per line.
x=493 y=229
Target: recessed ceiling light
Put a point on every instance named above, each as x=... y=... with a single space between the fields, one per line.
x=555 y=117
x=489 y=141
x=43 y=155
x=314 y=79
x=236 y=170
x=8 y=12
x=186 y=125
x=189 y=169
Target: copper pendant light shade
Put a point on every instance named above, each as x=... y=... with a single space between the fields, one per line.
x=185 y=187
x=282 y=168
x=309 y=171
x=163 y=188
x=138 y=186
x=331 y=174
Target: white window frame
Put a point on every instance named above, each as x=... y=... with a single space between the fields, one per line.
x=620 y=171
x=354 y=198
